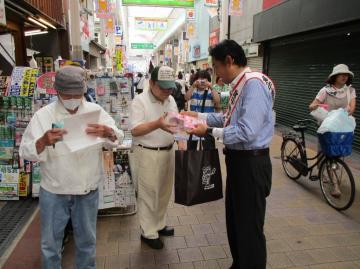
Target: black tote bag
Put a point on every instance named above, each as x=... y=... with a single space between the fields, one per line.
x=197 y=176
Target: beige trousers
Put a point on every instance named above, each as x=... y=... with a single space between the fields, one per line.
x=153 y=172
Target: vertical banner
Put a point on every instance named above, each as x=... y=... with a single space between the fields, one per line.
x=236 y=7
x=109 y=24
x=190 y=14
x=118 y=58
x=103 y=8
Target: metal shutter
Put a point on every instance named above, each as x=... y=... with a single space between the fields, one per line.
x=299 y=71
x=255 y=63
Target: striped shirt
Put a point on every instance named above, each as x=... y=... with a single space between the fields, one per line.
x=251 y=126
x=197 y=100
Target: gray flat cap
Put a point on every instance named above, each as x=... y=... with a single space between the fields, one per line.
x=70 y=80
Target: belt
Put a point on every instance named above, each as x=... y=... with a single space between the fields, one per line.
x=246 y=153
x=158 y=148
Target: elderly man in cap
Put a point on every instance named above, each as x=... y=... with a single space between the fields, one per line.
x=153 y=155
x=69 y=180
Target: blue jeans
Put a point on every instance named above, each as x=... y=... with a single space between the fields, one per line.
x=55 y=212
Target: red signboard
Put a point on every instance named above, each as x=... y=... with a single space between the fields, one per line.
x=269 y=3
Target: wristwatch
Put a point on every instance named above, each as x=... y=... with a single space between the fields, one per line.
x=209 y=130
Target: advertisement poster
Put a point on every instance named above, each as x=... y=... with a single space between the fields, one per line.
x=107 y=186
x=236 y=7
x=45 y=83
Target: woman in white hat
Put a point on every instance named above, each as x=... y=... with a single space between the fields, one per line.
x=338 y=93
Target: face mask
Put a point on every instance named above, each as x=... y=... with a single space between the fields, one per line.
x=71 y=104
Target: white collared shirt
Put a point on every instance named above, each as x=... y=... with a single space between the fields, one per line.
x=62 y=171
x=145 y=108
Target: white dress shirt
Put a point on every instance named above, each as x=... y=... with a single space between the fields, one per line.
x=62 y=171
x=145 y=108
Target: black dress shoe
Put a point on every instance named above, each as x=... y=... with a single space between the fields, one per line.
x=153 y=243
x=167 y=231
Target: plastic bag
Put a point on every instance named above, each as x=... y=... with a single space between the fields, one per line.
x=337 y=121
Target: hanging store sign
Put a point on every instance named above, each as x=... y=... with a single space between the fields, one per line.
x=103 y=8
x=190 y=14
x=236 y=7
x=151 y=24
x=143 y=46
x=2 y=13
x=167 y=3
x=211 y=3
x=118 y=30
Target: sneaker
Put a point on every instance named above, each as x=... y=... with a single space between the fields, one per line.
x=153 y=243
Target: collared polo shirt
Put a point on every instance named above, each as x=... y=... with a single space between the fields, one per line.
x=146 y=108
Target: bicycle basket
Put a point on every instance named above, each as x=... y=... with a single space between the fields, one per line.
x=336 y=144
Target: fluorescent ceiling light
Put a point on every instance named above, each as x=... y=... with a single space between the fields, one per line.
x=31 y=33
x=47 y=23
x=36 y=22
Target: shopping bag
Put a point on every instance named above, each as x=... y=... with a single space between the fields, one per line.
x=197 y=176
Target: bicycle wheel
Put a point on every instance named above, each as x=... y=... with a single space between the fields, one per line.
x=291 y=157
x=337 y=183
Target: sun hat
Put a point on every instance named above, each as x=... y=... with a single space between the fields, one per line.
x=341 y=69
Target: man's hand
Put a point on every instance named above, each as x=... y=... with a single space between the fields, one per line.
x=49 y=138
x=182 y=145
x=163 y=125
x=100 y=130
x=189 y=113
x=200 y=130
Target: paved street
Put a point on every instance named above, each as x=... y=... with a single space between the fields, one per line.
x=302 y=232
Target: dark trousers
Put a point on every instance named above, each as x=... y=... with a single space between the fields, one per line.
x=208 y=143
x=248 y=184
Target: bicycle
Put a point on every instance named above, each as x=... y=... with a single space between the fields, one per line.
x=334 y=174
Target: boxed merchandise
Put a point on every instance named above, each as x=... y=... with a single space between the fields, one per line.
x=9 y=178
x=24 y=184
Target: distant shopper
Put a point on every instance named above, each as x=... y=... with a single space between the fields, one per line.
x=139 y=83
x=224 y=91
x=204 y=99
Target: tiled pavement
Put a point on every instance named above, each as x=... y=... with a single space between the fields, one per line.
x=302 y=232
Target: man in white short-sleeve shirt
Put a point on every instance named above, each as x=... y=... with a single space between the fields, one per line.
x=153 y=157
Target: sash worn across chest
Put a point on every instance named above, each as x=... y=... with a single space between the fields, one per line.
x=237 y=91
